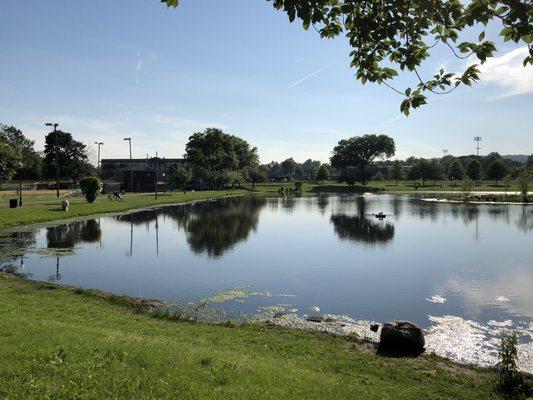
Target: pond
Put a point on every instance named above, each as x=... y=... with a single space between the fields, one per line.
x=463 y=272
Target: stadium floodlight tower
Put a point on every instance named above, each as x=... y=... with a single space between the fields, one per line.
x=477 y=139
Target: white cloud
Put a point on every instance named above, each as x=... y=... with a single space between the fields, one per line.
x=508 y=73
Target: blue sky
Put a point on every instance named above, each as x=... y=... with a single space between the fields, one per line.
x=111 y=69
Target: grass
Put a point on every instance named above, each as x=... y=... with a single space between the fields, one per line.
x=60 y=343
x=34 y=213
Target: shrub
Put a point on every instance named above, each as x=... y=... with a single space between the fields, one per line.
x=509 y=378
x=90 y=187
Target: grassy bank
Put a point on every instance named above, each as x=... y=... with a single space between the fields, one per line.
x=33 y=213
x=61 y=343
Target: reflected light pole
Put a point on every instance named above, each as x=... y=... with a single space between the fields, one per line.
x=55 y=125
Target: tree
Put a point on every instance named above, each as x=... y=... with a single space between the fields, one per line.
x=31 y=162
x=523 y=185
x=216 y=157
x=257 y=174
x=529 y=163
x=310 y=168
x=496 y=170
x=288 y=167
x=178 y=177
x=473 y=170
x=397 y=171
x=456 y=171
x=390 y=36
x=322 y=173
x=360 y=152
x=424 y=169
x=9 y=161
x=72 y=156
x=91 y=187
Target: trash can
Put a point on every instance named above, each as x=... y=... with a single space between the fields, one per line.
x=13 y=203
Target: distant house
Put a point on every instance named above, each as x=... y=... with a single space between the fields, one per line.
x=116 y=172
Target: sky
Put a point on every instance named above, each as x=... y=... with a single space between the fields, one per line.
x=106 y=70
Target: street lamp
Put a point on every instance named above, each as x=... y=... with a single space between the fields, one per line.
x=131 y=166
x=55 y=125
x=98 y=162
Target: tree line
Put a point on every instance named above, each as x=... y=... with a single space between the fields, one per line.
x=20 y=160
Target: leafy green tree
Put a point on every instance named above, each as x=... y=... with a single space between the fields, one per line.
x=216 y=157
x=473 y=170
x=523 y=184
x=91 y=187
x=529 y=163
x=310 y=168
x=178 y=177
x=31 y=162
x=496 y=170
x=466 y=186
x=257 y=174
x=510 y=381
x=423 y=169
x=288 y=167
x=456 y=171
x=386 y=37
x=360 y=152
x=436 y=171
x=9 y=161
x=72 y=156
x=397 y=171
x=322 y=173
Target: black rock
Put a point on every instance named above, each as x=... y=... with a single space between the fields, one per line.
x=374 y=327
x=315 y=319
x=401 y=338
x=279 y=315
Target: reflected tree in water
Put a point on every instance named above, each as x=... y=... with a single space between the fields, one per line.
x=215 y=227
x=66 y=236
x=14 y=244
x=525 y=219
x=359 y=228
x=322 y=202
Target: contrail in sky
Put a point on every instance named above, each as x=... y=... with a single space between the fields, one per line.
x=139 y=66
x=308 y=76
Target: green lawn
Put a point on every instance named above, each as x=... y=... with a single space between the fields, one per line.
x=58 y=343
x=33 y=213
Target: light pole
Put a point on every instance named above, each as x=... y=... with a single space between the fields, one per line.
x=55 y=125
x=156 y=172
x=98 y=162
x=131 y=166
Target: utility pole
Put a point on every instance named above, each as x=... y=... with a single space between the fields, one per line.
x=55 y=125
x=131 y=165
x=98 y=162
x=156 y=172
x=477 y=139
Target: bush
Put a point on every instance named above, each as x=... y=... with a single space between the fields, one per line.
x=91 y=187
x=509 y=378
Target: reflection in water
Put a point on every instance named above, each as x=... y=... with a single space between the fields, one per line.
x=362 y=229
x=215 y=227
x=66 y=236
x=211 y=227
x=525 y=219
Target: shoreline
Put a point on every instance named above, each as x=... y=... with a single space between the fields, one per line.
x=334 y=325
